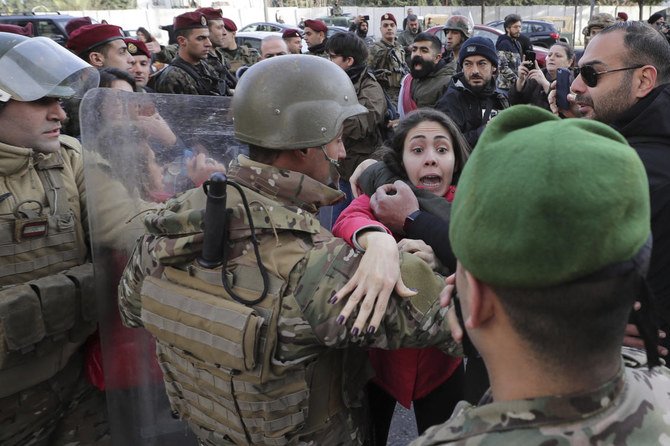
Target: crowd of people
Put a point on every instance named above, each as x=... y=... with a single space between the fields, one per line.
x=499 y=257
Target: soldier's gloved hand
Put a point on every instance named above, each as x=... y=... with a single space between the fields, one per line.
x=371 y=286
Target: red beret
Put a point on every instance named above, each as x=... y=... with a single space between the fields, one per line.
x=288 y=33
x=26 y=30
x=73 y=24
x=623 y=16
x=316 y=25
x=229 y=25
x=211 y=13
x=389 y=16
x=137 y=48
x=190 y=20
x=89 y=36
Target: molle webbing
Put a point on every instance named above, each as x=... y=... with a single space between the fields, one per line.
x=218 y=359
x=22 y=259
x=42 y=323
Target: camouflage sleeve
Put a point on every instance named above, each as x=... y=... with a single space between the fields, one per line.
x=141 y=264
x=414 y=322
x=375 y=57
x=506 y=69
x=177 y=81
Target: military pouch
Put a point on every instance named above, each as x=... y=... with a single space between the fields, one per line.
x=21 y=324
x=83 y=278
x=57 y=295
x=211 y=328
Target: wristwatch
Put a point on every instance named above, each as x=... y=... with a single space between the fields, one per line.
x=410 y=219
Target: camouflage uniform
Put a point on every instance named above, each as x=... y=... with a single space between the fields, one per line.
x=630 y=409
x=406 y=38
x=306 y=347
x=174 y=79
x=240 y=56
x=41 y=372
x=509 y=59
x=167 y=53
x=387 y=61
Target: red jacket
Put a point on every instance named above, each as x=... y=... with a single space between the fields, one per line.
x=407 y=374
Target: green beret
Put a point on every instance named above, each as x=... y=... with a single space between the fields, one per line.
x=544 y=201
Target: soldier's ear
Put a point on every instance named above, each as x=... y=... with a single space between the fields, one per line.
x=181 y=40
x=96 y=59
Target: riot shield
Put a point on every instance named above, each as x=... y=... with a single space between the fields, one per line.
x=139 y=150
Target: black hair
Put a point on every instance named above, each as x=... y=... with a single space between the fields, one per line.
x=109 y=75
x=102 y=49
x=263 y=155
x=146 y=33
x=348 y=45
x=392 y=151
x=569 y=51
x=645 y=46
x=581 y=322
x=433 y=39
x=511 y=19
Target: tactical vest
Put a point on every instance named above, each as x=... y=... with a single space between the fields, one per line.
x=219 y=357
x=47 y=303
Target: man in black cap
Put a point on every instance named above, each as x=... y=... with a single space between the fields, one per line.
x=657 y=20
x=188 y=73
x=471 y=99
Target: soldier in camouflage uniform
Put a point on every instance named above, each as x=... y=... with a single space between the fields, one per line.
x=316 y=33
x=387 y=58
x=46 y=278
x=189 y=73
x=546 y=303
x=246 y=366
x=236 y=55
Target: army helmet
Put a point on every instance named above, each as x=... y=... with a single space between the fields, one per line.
x=601 y=20
x=459 y=23
x=35 y=67
x=293 y=102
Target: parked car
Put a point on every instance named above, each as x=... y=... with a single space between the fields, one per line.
x=45 y=24
x=266 y=27
x=332 y=30
x=492 y=34
x=540 y=33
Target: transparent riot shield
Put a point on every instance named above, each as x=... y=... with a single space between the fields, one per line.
x=139 y=150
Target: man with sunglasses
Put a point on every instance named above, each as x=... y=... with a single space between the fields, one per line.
x=623 y=80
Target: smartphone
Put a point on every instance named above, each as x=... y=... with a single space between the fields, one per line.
x=366 y=18
x=563 y=80
x=530 y=59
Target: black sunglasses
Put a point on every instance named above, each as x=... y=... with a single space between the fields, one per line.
x=590 y=75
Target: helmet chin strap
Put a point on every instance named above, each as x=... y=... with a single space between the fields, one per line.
x=334 y=176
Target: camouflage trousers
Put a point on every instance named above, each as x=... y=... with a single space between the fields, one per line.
x=65 y=410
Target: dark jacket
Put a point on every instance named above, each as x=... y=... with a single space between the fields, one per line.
x=318 y=50
x=646 y=126
x=361 y=134
x=469 y=110
x=427 y=91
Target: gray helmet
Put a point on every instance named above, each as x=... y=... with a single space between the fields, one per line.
x=293 y=102
x=33 y=68
x=459 y=23
x=601 y=20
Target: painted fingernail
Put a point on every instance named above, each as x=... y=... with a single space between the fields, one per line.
x=340 y=320
x=371 y=330
x=413 y=289
x=354 y=331
x=332 y=299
